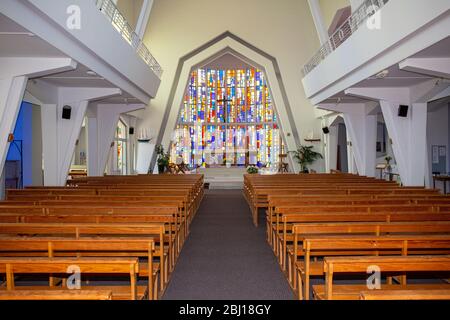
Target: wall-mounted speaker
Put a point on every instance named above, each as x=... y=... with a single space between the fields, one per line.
x=403 y=110
x=326 y=130
x=131 y=130
x=67 y=110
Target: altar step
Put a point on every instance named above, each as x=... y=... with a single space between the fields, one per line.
x=223 y=178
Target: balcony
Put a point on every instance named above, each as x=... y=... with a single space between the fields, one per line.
x=103 y=41
x=362 y=48
x=367 y=9
x=109 y=9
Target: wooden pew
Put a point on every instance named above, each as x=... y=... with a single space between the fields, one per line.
x=351 y=245
x=56 y=295
x=82 y=230
x=387 y=264
x=92 y=247
x=288 y=215
x=405 y=294
x=301 y=231
x=12 y=267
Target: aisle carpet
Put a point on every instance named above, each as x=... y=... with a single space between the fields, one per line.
x=225 y=256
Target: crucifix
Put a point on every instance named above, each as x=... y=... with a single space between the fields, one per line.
x=225 y=100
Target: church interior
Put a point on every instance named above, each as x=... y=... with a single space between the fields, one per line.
x=238 y=150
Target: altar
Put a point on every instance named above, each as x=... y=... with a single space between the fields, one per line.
x=221 y=177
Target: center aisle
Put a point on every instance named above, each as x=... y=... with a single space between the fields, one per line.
x=225 y=256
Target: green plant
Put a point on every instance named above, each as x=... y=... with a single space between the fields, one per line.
x=252 y=169
x=163 y=158
x=305 y=155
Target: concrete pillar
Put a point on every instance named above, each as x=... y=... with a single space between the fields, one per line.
x=316 y=13
x=362 y=131
x=408 y=134
x=331 y=144
x=60 y=135
x=14 y=75
x=409 y=140
x=355 y=4
x=102 y=123
x=144 y=16
x=361 y=135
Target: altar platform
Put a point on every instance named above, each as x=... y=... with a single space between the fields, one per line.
x=223 y=177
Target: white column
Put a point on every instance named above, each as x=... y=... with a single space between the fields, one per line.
x=351 y=164
x=316 y=13
x=12 y=89
x=362 y=130
x=142 y=22
x=331 y=143
x=14 y=75
x=102 y=123
x=408 y=134
x=409 y=140
x=60 y=135
x=356 y=4
x=132 y=146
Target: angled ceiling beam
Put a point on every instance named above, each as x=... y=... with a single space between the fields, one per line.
x=436 y=67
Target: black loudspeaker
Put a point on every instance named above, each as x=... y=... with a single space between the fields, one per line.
x=403 y=111
x=131 y=130
x=326 y=130
x=67 y=110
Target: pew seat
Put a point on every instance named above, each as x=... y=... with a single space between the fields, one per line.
x=56 y=294
x=406 y=295
x=353 y=292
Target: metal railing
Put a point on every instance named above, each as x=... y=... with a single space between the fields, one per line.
x=367 y=9
x=109 y=9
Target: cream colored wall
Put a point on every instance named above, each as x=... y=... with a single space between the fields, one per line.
x=131 y=10
x=329 y=8
x=283 y=29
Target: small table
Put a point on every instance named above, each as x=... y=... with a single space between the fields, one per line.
x=444 y=180
x=391 y=175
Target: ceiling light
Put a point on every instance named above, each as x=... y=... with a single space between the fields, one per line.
x=91 y=73
x=383 y=74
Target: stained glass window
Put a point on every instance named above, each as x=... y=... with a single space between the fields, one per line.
x=227 y=117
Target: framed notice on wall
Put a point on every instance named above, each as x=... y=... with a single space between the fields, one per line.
x=435 y=154
x=439 y=158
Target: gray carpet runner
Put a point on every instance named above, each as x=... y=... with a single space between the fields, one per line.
x=225 y=257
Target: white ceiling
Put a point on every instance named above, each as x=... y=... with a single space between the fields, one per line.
x=397 y=78
x=17 y=41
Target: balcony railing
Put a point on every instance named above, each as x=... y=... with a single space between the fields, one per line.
x=119 y=22
x=367 y=9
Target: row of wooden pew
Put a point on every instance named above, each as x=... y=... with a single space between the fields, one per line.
x=327 y=226
x=127 y=228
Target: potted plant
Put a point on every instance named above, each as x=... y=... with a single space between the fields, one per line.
x=163 y=159
x=305 y=155
x=252 y=169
